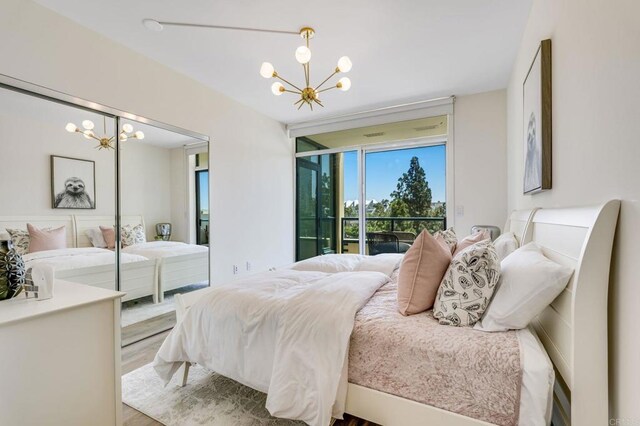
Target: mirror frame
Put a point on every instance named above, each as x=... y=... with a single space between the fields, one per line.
x=31 y=89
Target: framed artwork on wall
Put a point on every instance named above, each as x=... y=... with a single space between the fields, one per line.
x=73 y=183
x=537 y=122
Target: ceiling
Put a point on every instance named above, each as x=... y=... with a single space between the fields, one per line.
x=402 y=50
x=390 y=132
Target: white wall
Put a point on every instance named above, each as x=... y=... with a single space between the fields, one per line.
x=596 y=148
x=26 y=144
x=250 y=220
x=480 y=137
x=145 y=173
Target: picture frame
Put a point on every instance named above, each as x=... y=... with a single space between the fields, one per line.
x=536 y=122
x=73 y=183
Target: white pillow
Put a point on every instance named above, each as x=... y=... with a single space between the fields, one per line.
x=506 y=244
x=95 y=237
x=330 y=263
x=528 y=284
x=386 y=263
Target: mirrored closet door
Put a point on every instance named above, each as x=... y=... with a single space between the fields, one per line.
x=164 y=224
x=58 y=187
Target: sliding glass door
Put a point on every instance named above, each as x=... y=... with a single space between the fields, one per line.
x=405 y=194
x=369 y=199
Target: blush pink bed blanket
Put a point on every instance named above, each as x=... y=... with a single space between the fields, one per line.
x=457 y=369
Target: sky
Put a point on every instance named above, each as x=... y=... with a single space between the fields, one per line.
x=204 y=192
x=384 y=169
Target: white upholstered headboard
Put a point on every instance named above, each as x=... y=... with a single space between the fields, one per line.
x=573 y=328
x=20 y=222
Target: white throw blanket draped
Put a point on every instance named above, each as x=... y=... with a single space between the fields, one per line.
x=285 y=333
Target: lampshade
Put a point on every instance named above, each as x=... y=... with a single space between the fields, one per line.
x=344 y=64
x=127 y=128
x=139 y=135
x=87 y=134
x=277 y=88
x=344 y=84
x=123 y=137
x=88 y=124
x=303 y=54
x=71 y=128
x=266 y=70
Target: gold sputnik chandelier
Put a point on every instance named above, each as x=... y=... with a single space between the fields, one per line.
x=104 y=142
x=308 y=94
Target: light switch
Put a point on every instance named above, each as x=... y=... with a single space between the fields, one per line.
x=459 y=210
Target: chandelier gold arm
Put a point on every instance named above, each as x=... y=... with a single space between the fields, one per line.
x=276 y=75
x=306 y=73
x=328 y=88
x=327 y=79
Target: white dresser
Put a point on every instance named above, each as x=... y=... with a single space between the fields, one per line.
x=60 y=358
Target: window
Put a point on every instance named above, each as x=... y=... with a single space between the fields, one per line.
x=403 y=192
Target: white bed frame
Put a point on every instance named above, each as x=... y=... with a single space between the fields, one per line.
x=138 y=279
x=176 y=271
x=573 y=329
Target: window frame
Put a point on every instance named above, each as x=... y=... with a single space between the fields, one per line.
x=362 y=149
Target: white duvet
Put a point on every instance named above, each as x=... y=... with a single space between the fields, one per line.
x=75 y=258
x=159 y=249
x=285 y=333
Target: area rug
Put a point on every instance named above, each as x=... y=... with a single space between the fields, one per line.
x=207 y=399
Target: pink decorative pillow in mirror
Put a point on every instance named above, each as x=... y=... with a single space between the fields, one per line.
x=46 y=239
x=109 y=235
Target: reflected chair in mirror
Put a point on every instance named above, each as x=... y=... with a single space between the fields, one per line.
x=382 y=242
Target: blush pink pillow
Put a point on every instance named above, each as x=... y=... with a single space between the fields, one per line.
x=46 y=239
x=109 y=235
x=421 y=272
x=471 y=240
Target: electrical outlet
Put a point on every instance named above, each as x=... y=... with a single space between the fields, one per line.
x=248 y=265
x=235 y=269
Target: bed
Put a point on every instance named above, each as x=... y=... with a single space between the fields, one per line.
x=137 y=278
x=84 y=264
x=571 y=333
x=179 y=264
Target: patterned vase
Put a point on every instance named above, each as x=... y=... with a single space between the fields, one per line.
x=12 y=271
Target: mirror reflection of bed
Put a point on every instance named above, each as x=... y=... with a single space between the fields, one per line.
x=59 y=177
x=164 y=219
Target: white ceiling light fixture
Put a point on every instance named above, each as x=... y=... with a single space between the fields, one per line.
x=105 y=142
x=308 y=94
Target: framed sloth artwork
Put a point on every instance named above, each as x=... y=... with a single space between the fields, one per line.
x=537 y=122
x=73 y=183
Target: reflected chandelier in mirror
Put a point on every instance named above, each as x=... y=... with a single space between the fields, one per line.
x=105 y=142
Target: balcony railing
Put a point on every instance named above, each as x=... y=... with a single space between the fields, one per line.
x=413 y=225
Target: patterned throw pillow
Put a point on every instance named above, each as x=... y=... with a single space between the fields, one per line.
x=467 y=286
x=20 y=239
x=132 y=235
x=448 y=237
